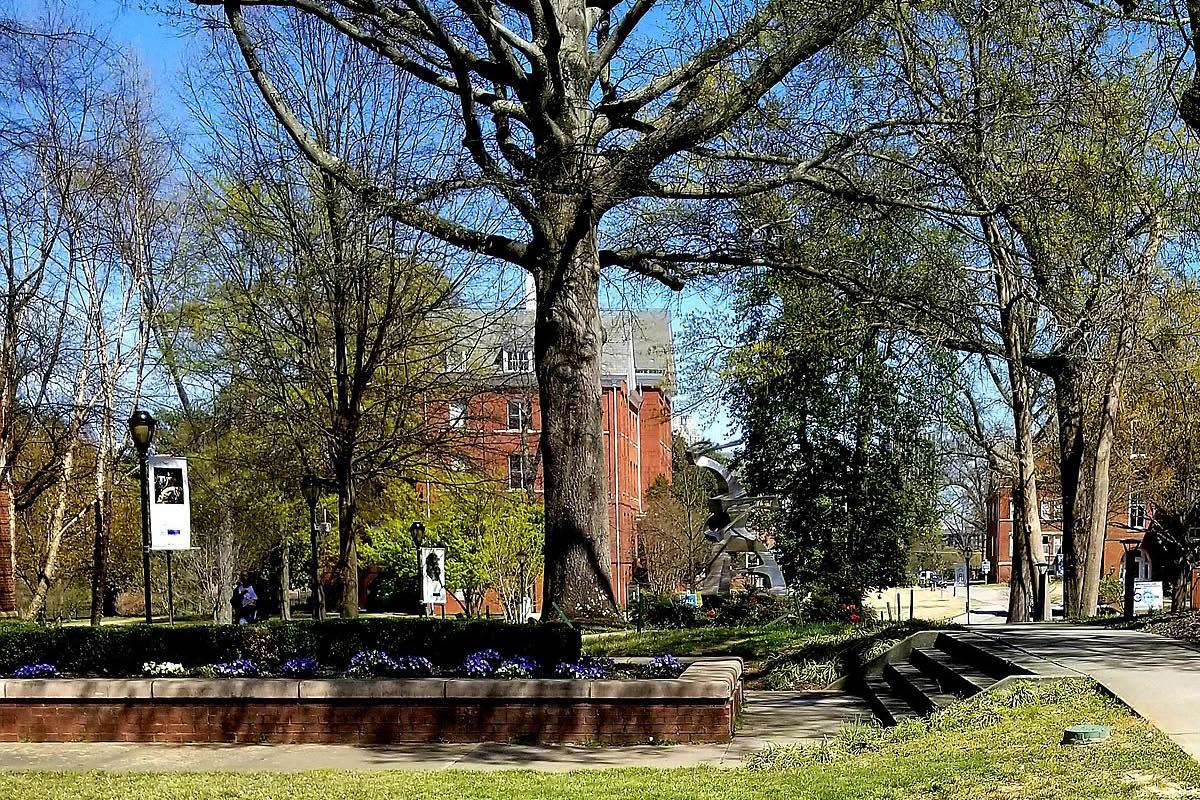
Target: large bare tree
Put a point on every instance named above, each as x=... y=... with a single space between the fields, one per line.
x=568 y=111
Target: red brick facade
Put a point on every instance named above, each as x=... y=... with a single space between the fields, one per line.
x=1000 y=528
x=365 y=721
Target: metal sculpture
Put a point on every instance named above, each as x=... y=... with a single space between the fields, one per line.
x=738 y=550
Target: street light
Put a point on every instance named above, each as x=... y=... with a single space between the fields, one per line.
x=417 y=532
x=1131 y=546
x=141 y=430
x=310 y=487
x=522 y=565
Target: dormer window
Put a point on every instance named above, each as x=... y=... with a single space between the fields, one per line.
x=514 y=361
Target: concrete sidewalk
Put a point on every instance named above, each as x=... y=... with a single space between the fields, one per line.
x=768 y=719
x=1159 y=678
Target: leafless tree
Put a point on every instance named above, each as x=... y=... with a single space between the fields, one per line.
x=567 y=112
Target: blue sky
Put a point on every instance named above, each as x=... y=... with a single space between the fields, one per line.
x=160 y=46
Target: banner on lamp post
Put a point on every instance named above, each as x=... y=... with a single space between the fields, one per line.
x=170 y=504
x=433 y=575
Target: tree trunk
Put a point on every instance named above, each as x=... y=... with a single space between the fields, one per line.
x=224 y=610
x=103 y=520
x=347 y=544
x=285 y=580
x=1027 y=525
x=567 y=345
x=1076 y=544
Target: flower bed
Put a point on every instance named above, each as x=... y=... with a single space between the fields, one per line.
x=700 y=704
x=124 y=650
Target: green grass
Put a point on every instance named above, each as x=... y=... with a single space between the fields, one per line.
x=777 y=657
x=999 y=746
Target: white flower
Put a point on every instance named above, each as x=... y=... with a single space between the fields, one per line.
x=165 y=669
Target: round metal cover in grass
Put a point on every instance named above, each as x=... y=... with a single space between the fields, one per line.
x=1085 y=734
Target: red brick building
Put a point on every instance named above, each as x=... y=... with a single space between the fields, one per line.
x=1127 y=519
x=502 y=422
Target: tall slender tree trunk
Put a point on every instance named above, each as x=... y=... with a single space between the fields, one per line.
x=285 y=579
x=567 y=345
x=1027 y=525
x=223 y=611
x=347 y=536
x=103 y=517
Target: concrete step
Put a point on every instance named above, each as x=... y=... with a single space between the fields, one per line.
x=890 y=707
x=921 y=691
x=968 y=648
x=956 y=676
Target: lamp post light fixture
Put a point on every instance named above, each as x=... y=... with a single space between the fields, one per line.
x=522 y=576
x=1131 y=546
x=141 y=431
x=310 y=487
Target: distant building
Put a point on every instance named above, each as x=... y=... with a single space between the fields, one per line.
x=502 y=423
x=1128 y=518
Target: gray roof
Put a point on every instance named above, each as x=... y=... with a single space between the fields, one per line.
x=638 y=344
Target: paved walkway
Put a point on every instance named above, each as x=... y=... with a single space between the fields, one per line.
x=1159 y=678
x=768 y=718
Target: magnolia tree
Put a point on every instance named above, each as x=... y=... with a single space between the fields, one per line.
x=542 y=120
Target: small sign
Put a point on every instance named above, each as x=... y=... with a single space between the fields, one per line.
x=433 y=575
x=960 y=574
x=1147 y=596
x=170 y=504
x=690 y=599
x=986 y=567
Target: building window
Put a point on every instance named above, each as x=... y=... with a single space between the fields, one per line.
x=519 y=476
x=517 y=361
x=520 y=415
x=1137 y=512
x=458 y=414
x=456 y=360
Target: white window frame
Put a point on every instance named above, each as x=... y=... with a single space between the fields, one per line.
x=523 y=416
x=457 y=413
x=523 y=481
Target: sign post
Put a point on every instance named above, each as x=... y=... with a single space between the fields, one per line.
x=170 y=515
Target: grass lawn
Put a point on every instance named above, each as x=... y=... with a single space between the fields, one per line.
x=1000 y=746
x=777 y=657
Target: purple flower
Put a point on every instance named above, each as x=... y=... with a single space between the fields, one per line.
x=238 y=668
x=667 y=666
x=414 y=667
x=489 y=655
x=585 y=669
x=35 y=671
x=299 y=668
x=477 y=667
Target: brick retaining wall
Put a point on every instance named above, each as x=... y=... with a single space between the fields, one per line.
x=700 y=706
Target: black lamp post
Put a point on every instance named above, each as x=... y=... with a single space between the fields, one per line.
x=417 y=531
x=1131 y=547
x=310 y=487
x=522 y=565
x=141 y=430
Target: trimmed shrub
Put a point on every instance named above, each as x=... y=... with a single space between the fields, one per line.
x=668 y=611
x=123 y=650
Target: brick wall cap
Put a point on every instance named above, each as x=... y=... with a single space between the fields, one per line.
x=521 y=688
x=248 y=688
x=75 y=688
x=381 y=688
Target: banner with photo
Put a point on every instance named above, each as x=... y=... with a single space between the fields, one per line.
x=170 y=504
x=433 y=575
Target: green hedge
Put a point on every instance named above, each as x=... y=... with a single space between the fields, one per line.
x=121 y=650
